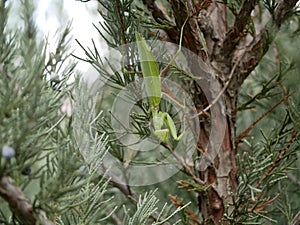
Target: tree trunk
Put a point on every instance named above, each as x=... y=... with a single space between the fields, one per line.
x=231 y=52
x=217 y=141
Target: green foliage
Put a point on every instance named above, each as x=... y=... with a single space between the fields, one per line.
x=47 y=160
x=275 y=77
x=55 y=157
x=146 y=208
x=56 y=153
x=260 y=92
x=121 y=31
x=260 y=175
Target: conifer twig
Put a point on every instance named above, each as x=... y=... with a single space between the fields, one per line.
x=236 y=33
x=283 y=10
x=189 y=213
x=296 y=219
x=225 y=86
x=249 y=128
x=117 y=220
x=186 y=168
x=161 y=17
x=19 y=204
x=121 y=22
x=118 y=183
x=126 y=190
x=279 y=157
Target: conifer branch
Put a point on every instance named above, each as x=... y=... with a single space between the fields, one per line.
x=296 y=219
x=261 y=42
x=126 y=190
x=236 y=33
x=278 y=159
x=283 y=10
x=118 y=183
x=117 y=220
x=121 y=23
x=192 y=38
x=161 y=17
x=189 y=213
x=20 y=204
x=245 y=133
x=186 y=168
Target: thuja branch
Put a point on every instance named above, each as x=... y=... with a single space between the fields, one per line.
x=19 y=204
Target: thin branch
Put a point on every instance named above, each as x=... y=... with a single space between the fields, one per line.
x=117 y=220
x=249 y=128
x=178 y=51
x=236 y=33
x=121 y=22
x=277 y=160
x=186 y=168
x=296 y=220
x=278 y=68
x=126 y=190
x=123 y=32
x=10 y=76
x=221 y=92
x=266 y=35
x=19 y=204
x=192 y=33
x=189 y=213
x=118 y=183
x=161 y=17
x=283 y=10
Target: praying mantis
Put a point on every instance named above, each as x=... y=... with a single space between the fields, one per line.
x=152 y=81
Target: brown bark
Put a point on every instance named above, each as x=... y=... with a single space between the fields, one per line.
x=231 y=54
x=19 y=204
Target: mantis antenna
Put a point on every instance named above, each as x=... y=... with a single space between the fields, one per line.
x=178 y=51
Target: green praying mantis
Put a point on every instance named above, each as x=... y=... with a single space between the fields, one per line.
x=152 y=81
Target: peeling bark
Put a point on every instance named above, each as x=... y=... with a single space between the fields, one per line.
x=231 y=50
